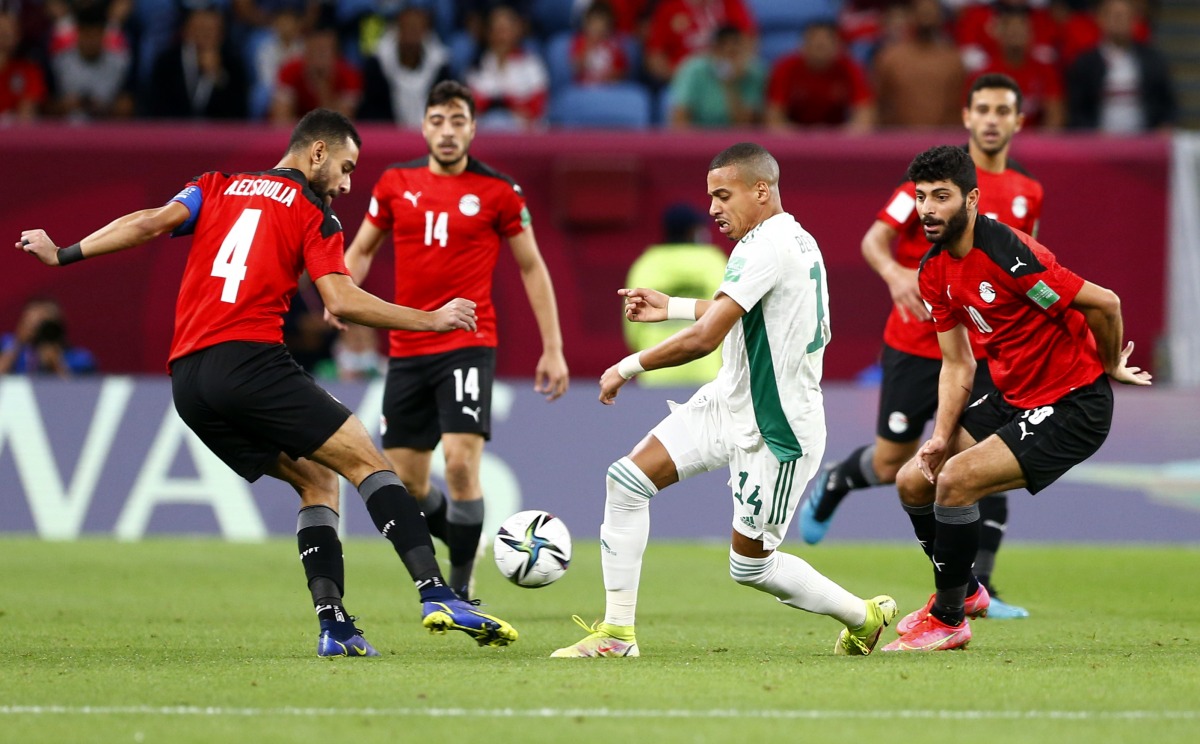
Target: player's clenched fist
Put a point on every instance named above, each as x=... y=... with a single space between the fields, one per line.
x=457 y=314
x=39 y=244
x=644 y=305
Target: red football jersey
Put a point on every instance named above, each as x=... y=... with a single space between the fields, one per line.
x=447 y=232
x=1012 y=197
x=1014 y=297
x=255 y=233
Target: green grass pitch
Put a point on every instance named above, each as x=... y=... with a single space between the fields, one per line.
x=195 y=640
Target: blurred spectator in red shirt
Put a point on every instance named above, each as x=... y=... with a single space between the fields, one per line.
x=679 y=28
x=1040 y=83
x=632 y=17
x=820 y=85
x=1121 y=86
x=919 y=80
x=974 y=31
x=1081 y=32
x=320 y=78
x=596 y=53
x=22 y=85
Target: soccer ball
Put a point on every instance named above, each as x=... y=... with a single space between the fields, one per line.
x=532 y=548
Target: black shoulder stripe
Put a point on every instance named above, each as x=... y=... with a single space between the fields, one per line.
x=1014 y=165
x=330 y=224
x=1006 y=250
x=411 y=164
x=934 y=249
x=483 y=169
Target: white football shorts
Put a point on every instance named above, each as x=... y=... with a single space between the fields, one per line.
x=698 y=435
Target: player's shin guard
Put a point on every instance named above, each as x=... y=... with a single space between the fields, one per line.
x=993 y=518
x=953 y=553
x=924 y=526
x=395 y=514
x=464 y=525
x=321 y=555
x=794 y=582
x=623 y=538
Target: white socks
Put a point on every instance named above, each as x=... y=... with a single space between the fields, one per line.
x=795 y=583
x=623 y=538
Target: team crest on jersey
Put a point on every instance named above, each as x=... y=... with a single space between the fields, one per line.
x=987 y=293
x=469 y=205
x=897 y=422
x=1020 y=207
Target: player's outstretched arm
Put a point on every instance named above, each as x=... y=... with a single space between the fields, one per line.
x=551 y=376
x=695 y=341
x=1102 y=309
x=651 y=306
x=124 y=232
x=346 y=300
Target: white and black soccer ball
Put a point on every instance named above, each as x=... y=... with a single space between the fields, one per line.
x=532 y=548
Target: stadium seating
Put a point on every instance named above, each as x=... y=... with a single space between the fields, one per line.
x=774 y=44
x=551 y=17
x=794 y=15
x=616 y=106
x=558 y=60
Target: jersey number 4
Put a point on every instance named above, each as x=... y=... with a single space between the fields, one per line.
x=230 y=263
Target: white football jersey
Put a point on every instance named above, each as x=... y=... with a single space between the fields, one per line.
x=771 y=367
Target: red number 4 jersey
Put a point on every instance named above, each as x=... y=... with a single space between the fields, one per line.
x=1013 y=296
x=255 y=233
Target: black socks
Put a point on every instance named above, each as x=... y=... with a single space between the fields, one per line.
x=397 y=517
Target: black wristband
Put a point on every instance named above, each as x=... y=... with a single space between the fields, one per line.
x=70 y=254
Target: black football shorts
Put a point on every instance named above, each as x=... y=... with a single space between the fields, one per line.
x=908 y=394
x=249 y=401
x=429 y=395
x=1049 y=440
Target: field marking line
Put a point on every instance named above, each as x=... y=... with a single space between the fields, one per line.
x=669 y=713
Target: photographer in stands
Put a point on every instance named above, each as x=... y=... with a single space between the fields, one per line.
x=39 y=344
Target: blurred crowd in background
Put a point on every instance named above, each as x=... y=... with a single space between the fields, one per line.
x=853 y=64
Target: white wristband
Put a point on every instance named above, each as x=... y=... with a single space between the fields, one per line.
x=681 y=308
x=630 y=366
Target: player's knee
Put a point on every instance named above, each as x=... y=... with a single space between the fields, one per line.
x=912 y=486
x=887 y=470
x=460 y=474
x=618 y=495
x=955 y=486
